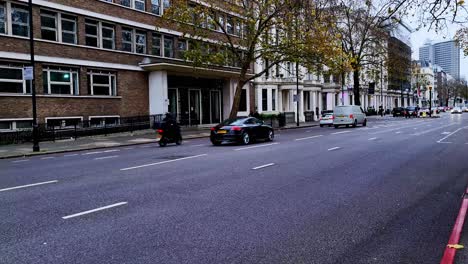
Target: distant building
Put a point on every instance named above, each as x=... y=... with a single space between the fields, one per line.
x=445 y=54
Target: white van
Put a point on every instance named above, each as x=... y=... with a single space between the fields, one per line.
x=346 y=115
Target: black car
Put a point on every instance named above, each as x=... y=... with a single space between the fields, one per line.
x=241 y=130
x=398 y=111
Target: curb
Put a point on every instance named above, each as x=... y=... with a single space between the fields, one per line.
x=115 y=146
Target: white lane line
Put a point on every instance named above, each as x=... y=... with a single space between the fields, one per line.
x=129 y=148
x=27 y=185
x=18 y=161
x=112 y=150
x=263 y=166
x=70 y=155
x=393 y=129
x=299 y=139
x=444 y=138
x=431 y=130
x=259 y=146
x=335 y=148
x=199 y=145
x=146 y=146
x=342 y=132
x=108 y=157
x=374 y=138
x=46 y=158
x=445 y=133
x=398 y=132
x=95 y=210
x=162 y=162
x=92 y=153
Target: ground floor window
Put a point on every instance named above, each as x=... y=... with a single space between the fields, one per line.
x=60 y=81
x=102 y=83
x=11 y=80
x=63 y=122
x=307 y=106
x=273 y=99
x=15 y=124
x=264 y=99
x=243 y=101
x=100 y=121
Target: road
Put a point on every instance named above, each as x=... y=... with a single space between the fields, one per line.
x=386 y=193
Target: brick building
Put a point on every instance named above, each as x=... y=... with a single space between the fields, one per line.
x=102 y=60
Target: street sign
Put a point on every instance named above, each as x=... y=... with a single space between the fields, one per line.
x=28 y=73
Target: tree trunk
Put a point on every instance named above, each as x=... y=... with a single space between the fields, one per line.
x=237 y=99
x=356 y=88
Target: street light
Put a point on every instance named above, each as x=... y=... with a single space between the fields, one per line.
x=36 y=147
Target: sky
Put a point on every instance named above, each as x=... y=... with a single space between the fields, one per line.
x=418 y=38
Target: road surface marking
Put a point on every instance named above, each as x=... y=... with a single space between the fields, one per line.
x=108 y=157
x=45 y=158
x=342 y=132
x=299 y=139
x=149 y=146
x=263 y=166
x=112 y=150
x=394 y=129
x=398 y=132
x=259 y=146
x=430 y=130
x=415 y=128
x=18 y=161
x=445 y=133
x=374 y=138
x=199 y=145
x=92 y=153
x=447 y=136
x=70 y=155
x=94 y=210
x=162 y=162
x=27 y=185
x=335 y=148
x=129 y=148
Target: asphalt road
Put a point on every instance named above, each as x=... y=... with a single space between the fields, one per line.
x=387 y=193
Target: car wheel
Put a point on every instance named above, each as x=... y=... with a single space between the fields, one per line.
x=245 y=138
x=178 y=141
x=336 y=126
x=355 y=123
x=162 y=143
x=365 y=122
x=271 y=135
x=216 y=143
x=347 y=126
x=321 y=125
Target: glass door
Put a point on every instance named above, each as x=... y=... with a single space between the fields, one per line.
x=194 y=107
x=215 y=107
x=173 y=102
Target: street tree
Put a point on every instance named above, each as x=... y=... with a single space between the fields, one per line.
x=246 y=32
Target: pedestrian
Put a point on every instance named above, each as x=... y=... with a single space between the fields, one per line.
x=317 y=112
x=256 y=114
x=381 y=111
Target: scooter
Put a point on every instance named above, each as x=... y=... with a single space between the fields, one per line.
x=166 y=137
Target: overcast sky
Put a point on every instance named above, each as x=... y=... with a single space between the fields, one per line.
x=418 y=38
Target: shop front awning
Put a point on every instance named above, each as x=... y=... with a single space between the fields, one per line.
x=187 y=70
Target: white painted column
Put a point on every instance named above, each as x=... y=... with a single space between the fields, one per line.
x=158 y=93
x=279 y=98
x=301 y=106
x=319 y=101
x=330 y=101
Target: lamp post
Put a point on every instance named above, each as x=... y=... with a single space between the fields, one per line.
x=297 y=93
x=35 y=131
x=430 y=101
x=342 y=74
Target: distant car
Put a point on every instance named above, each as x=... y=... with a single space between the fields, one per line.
x=241 y=130
x=441 y=108
x=464 y=109
x=349 y=115
x=398 y=111
x=326 y=119
x=412 y=110
x=456 y=110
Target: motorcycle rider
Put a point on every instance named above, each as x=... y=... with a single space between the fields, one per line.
x=170 y=126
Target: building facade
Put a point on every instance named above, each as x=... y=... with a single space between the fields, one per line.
x=103 y=60
x=445 y=54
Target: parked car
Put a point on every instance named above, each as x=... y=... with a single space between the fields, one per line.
x=371 y=111
x=441 y=108
x=241 y=130
x=326 y=119
x=349 y=115
x=398 y=111
x=412 y=110
x=464 y=109
x=456 y=110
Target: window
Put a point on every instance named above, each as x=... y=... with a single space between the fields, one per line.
x=98 y=34
x=181 y=48
x=49 y=25
x=60 y=81
x=238 y=28
x=2 y=18
x=63 y=122
x=127 y=39
x=102 y=83
x=136 y=4
x=19 y=20
x=230 y=25
x=140 y=42
x=125 y=3
x=243 y=101
x=168 y=47
x=99 y=121
x=50 y=29
x=210 y=21
x=222 y=22
x=16 y=124
x=156 y=44
x=264 y=100
x=11 y=80
x=273 y=100
x=156 y=7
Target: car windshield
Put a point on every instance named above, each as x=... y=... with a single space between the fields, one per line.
x=233 y=122
x=411 y=108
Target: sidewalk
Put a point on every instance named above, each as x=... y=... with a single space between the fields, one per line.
x=112 y=140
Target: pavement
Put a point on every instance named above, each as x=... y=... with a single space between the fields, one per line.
x=386 y=193
x=106 y=141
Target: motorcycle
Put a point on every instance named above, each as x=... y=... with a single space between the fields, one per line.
x=166 y=137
